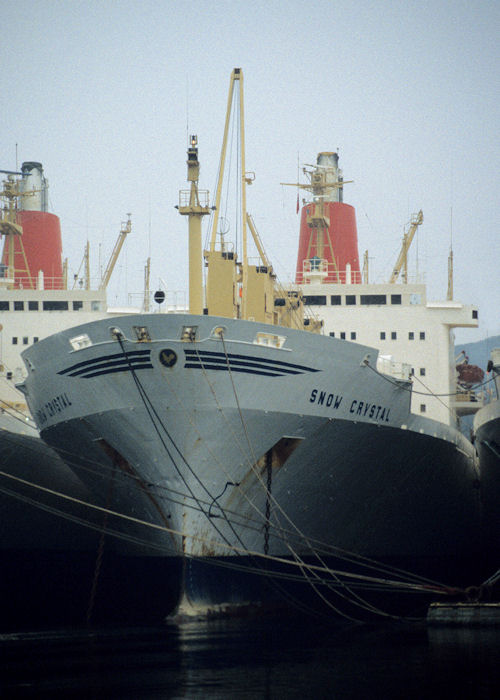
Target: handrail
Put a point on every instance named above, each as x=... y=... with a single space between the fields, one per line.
x=323 y=268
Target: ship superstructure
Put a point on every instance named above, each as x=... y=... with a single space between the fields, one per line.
x=36 y=297
x=413 y=334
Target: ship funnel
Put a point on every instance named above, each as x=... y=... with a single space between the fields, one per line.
x=328 y=243
x=328 y=159
x=35 y=258
x=328 y=171
x=34 y=181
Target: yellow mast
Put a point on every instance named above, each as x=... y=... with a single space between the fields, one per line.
x=65 y=273
x=224 y=278
x=235 y=75
x=402 y=261
x=87 y=265
x=365 y=268
x=125 y=229
x=258 y=241
x=190 y=205
x=236 y=289
x=147 y=270
x=449 y=294
x=244 y=276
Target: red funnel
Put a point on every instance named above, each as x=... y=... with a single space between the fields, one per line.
x=328 y=244
x=41 y=240
x=336 y=244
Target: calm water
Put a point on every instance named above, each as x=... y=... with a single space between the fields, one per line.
x=252 y=659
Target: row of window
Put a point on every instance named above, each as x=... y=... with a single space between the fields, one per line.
x=15 y=340
x=394 y=335
x=50 y=305
x=411 y=335
x=350 y=299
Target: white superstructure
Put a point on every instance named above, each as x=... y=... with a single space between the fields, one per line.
x=27 y=316
x=32 y=306
x=414 y=336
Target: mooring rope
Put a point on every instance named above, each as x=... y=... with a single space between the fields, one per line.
x=100 y=551
x=317 y=545
x=402 y=585
x=352 y=597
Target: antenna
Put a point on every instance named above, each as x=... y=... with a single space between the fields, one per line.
x=149 y=227
x=187 y=109
x=451 y=228
x=449 y=294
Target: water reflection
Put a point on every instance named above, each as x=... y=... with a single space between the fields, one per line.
x=252 y=659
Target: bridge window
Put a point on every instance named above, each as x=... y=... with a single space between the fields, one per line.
x=350 y=299
x=335 y=300
x=315 y=300
x=378 y=299
x=55 y=305
x=395 y=298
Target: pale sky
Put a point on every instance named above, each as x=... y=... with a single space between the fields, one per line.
x=104 y=94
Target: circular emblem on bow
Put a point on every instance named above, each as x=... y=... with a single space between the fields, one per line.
x=168 y=357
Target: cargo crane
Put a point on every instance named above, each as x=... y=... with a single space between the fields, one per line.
x=124 y=231
x=11 y=229
x=402 y=261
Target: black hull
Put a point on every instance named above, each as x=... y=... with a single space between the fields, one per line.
x=47 y=589
x=487 y=441
x=222 y=587
x=49 y=559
